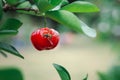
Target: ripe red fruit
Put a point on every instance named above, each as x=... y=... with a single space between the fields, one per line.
x=45 y=38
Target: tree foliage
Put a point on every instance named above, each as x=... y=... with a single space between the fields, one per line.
x=52 y=9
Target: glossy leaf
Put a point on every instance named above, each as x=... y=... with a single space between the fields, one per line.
x=70 y=20
x=10 y=26
x=87 y=30
x=12 y=2
x=46 y=5
x=1 y=11
x=63 y=73
x=9 y=48
x=11 y=74
x=81 y=6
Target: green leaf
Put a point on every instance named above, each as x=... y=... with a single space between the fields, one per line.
x=81 y=6
x=25 y=4
x=43 y=5
x=12 y=2
x=63 y=73
x=86 y=77
x=10 y=26
x=4 y=54
x=55 y=2
x=70 y=20
x=1 y=11
x=46 y=5
x=64 y=2
x=11 y=74
x=103 y=76
x=9 y=48
x=87 y=30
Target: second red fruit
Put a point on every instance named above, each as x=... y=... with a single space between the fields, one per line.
x=45 y=38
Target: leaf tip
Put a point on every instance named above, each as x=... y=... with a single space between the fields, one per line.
x=86 y=77
x=22 y=57
x=63 y=73
x=54 y=64
x=97 y=9
x=94 y=34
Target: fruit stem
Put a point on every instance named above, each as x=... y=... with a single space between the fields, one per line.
x=45 y=21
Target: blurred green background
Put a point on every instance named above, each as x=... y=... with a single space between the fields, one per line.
x=78 y=53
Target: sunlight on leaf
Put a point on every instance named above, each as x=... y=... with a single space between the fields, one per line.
x=8 y=32
x=87 y=30
x=70 y=20
x=81 y=6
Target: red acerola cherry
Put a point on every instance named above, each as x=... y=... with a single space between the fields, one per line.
x=45 y=38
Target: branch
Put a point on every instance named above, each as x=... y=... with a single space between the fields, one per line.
x=7 y=7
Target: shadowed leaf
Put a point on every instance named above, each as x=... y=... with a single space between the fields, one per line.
x=10 y=26
x=12 y=2
x=102 y=76
x=10 y=74
x=4 y=54
x=9 y=48
x=1 y=11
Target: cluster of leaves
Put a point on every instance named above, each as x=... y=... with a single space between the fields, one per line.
x=15 y=74
x=58 y=10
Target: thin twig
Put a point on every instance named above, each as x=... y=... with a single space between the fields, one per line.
x=12 y=8
x=45 y=21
